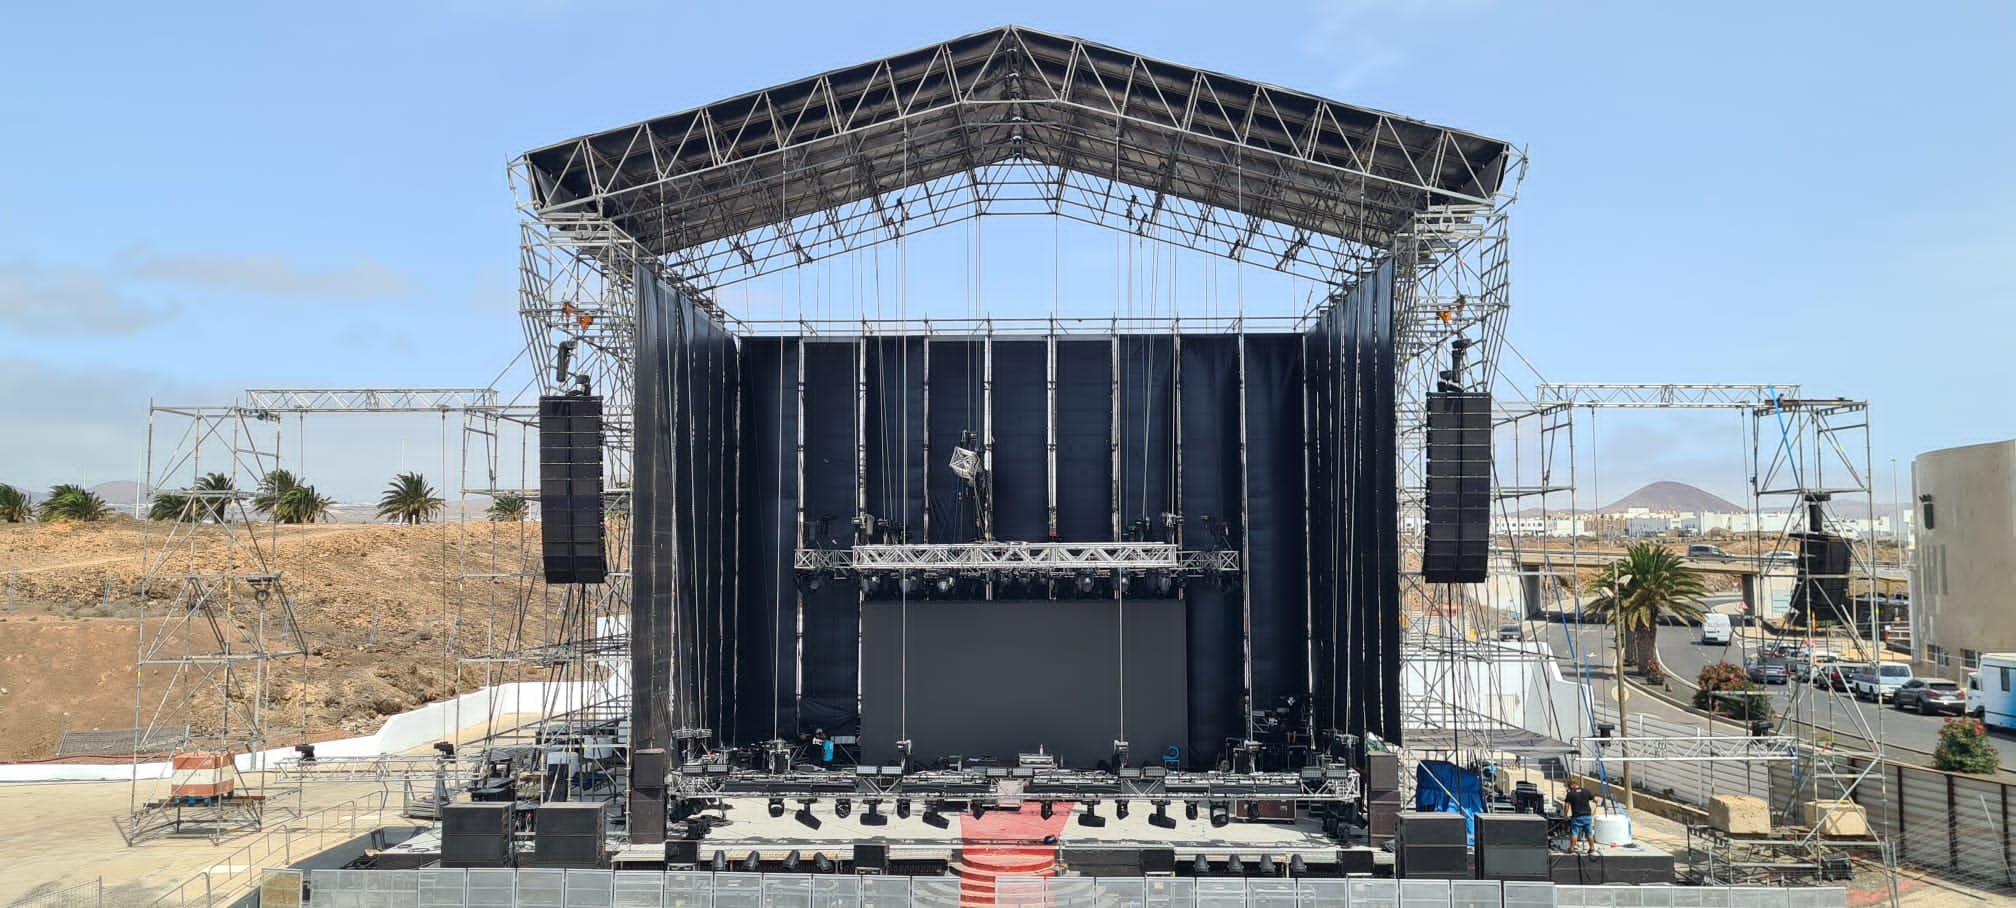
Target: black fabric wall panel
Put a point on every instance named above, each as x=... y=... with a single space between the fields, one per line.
x=651 y=530
x=1210 y=488
x=827 y=665
x=766 y=644
x=1320 y=407
x=896 y=431
x=684 y=495
x=954 y=407
x=1021 y=456
x=1147 y=414
x=1001 y=678
x=1084 y=440
x=1276 y=533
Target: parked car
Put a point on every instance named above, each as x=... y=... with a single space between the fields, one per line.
x=1809 y=668
x=1879 y=682
x=1715 y=629
x=1510 y=632
x=1781 y=557
x=1833 y=676
x=1769 y=673
x=1930 y=695
x=1974 y=694
x=1708 y=553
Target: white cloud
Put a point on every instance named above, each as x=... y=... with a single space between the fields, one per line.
x=70 y=301
x=274 y=274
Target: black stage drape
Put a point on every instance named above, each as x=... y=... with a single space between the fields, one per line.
x=1278 y=445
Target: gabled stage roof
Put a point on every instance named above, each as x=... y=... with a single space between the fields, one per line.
x=1013 y=120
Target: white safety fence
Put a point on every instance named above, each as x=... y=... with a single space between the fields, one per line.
x=651 y=889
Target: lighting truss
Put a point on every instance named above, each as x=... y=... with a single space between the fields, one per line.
x=1332 y=784
x=1661 y=396
x=374 y=400
x=1043 y=558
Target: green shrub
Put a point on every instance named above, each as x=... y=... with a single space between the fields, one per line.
x=1964 y=747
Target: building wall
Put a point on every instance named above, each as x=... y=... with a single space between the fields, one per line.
x=1963 y=587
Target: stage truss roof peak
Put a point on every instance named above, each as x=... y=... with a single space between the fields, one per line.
x=1011 y=120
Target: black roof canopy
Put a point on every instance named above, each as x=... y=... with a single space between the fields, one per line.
x=1012 y=120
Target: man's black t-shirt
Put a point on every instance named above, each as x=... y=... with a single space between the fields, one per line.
x=1579 y=801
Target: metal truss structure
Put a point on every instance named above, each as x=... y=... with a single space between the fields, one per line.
x=1799 y=449
x=1035 y=558
x=1003 y=118
x=1311 y=785
x=1659 y=396
x=1013 y=121
x=215 y=617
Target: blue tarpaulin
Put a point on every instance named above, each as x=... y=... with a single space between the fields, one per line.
x=1443 y=787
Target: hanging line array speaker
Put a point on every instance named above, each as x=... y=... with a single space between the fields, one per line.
x=570 y=488
x=1458 y=548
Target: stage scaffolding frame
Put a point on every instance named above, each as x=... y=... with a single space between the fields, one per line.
x=217 y=526
x=1017 y=122
x=1820 y=446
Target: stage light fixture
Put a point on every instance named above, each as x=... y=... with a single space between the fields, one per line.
x=1201 y=866
x=1085 y=583
x=720 y=862
x=814 y=581
x=1161 y=818
x=753 y=863
x=306 y=752
x=979 y=809
x=805 y=818
x=843 y=807
x=1221 y=813
x=445 y=749
x=1120 y=809
x=1049 y=809
x=791 y=861
x=1234 y=866
x=903 y=808
x=1267 y=867
x=1252 y=810
x=1296 y=866
x=874 y=816
x=945 y=584
x=1189 y=810
x=776 y=807
x=933 y=818
x=1088 y=815
x=821 y=862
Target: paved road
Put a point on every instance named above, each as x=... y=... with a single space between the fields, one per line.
x=1839 y=713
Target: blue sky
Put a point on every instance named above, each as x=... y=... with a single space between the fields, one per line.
x=268 y=195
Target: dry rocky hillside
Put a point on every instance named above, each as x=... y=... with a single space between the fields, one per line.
x=382 y=609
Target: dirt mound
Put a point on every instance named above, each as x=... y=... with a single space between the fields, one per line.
x=385 y=613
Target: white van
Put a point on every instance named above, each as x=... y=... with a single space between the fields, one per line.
x=1715 y=629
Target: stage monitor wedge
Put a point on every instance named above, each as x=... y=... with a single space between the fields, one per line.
x=1458 y=545
x=570 y=489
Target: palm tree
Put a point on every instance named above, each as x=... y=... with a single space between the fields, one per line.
x=213 y=508
x=271 y=486
x=72 y=502
x=1649 y=583
x=509 y=507
x=409 y=499
x=302 y=504
x=167 y=506
x=15 y=506
x=290 y=500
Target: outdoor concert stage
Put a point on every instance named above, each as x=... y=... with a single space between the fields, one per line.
x=1073 y=544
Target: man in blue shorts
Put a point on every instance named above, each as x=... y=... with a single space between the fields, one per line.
x=1581 y=816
